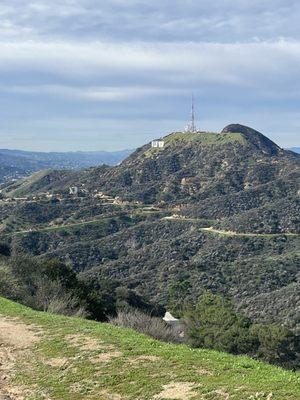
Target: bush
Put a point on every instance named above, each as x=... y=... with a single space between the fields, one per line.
x=213 y=324
x=277 y=345
x=144 y=323
x=10 y=286
x=53 y=286
x=52 y=297
x=48 y=286
x=4 y=249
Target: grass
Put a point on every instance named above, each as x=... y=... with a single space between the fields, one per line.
x=202 y=138
x=130 y=374
x=208 y=138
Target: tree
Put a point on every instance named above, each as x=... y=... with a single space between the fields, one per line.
x=178 y=295
x=277 y=345
x=213 y=324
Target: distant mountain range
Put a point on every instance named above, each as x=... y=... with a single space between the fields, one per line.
x=295 y=149
x=16 y=164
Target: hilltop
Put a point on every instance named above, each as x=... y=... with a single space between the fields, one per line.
x=208 y=211
x=220 y=176
x=48 y=356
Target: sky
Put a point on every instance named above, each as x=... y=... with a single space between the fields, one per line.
x=114 y=74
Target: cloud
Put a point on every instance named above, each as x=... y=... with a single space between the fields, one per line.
x=263 y=66
x=94 y=94
x=136 y=63
x=168 y=20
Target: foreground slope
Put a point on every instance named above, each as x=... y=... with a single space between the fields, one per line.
x=53 y=357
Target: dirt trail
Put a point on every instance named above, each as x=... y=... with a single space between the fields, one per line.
x=16 y=339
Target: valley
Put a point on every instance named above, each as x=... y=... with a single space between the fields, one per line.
x=210 y=211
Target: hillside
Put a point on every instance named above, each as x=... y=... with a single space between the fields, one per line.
x=15 y=164
x=295 y=149
x=53 y=357
x=213 y=175
x=208 y=211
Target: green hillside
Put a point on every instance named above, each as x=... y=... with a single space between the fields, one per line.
x=54 y=357
x=232 y=205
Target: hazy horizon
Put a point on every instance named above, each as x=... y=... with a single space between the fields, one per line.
x=84 y=75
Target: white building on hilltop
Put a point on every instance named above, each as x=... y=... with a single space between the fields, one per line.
x=159 y=143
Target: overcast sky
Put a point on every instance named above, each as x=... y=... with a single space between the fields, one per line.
x=113 y=74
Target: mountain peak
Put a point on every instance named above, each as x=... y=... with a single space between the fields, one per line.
x=253 y=137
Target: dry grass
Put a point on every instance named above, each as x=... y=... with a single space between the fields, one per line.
x=144 y=323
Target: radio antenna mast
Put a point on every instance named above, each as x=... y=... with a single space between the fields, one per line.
x=191 y=126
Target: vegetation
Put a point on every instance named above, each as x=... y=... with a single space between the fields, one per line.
x=147 y=324
x=80 y=359
x=237 y=182
x=54 y=287
x=214 y=324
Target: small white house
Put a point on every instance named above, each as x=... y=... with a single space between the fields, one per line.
x=158 y=143
x=73 y=190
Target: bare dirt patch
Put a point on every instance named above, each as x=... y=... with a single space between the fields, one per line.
x=105 y=357
x=16 y=334
x=16 y=339
x=86 y=343
x=57 y=362
x=221 y=393
x=204 y=372
x=110 y=396
x=141 y=359
x=177 y=391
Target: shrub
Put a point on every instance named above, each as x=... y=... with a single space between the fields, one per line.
x=144 y=323
x=47 y=286
x=4 y=249
x=10 y=286
x=277 y=345
x=213 y=324
x=52 y=297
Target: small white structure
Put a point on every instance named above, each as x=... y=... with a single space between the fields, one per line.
x=158 y=143
x=175 y=323
x=73 y=190
x=169 y=319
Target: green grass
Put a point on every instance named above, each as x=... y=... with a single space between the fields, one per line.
x=207 y=138
x=202 y=138
x=213 y=374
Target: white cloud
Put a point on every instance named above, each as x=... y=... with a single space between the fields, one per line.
x=262 y=65
x=60 y=58
x=105 y=94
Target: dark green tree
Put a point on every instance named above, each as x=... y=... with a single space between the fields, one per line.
x=213 y=324
x=277 y=345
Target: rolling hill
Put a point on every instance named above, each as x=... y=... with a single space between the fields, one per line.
x=49 y=356
x=295 y=149
x=208 y=211
x=15 y=164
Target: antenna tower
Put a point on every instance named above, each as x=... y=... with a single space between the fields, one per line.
x=191 y=126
